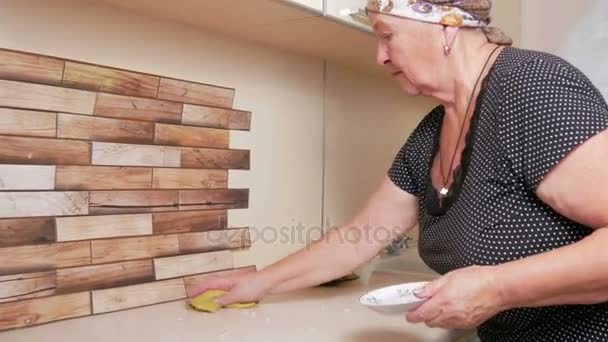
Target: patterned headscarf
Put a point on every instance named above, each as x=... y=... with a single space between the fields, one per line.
x=460 y=13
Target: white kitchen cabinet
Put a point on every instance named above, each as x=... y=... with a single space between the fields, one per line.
x=316 y=5
x=348 y=11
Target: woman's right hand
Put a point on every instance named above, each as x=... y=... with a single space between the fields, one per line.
x=240 y=288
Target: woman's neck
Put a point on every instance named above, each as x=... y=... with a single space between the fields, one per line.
x=464 y=70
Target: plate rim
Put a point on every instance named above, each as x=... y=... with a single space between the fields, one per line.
x=390 y=286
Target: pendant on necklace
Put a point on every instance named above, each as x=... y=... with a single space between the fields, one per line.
x=444 y=191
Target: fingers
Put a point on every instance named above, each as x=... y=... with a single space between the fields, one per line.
x=435 y=323
x=447 y=323
x=242 y=293
x=224 y=284
x=229 y=298
x=424 y=313
x=430 y=289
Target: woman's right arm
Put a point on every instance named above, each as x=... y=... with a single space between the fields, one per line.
x=388 y=214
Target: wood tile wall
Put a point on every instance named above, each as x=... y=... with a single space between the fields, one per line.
x=113 y=188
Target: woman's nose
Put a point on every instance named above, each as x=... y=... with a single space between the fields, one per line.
x=381 y=55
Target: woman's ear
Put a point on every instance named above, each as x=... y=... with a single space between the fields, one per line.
x=449 y=36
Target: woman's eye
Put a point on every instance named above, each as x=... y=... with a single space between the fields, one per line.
x=387 y=36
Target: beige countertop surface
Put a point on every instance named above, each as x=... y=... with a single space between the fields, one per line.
x=316 y=314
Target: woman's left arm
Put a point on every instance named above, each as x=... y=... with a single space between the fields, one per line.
x=577 y=188
x=575 y=274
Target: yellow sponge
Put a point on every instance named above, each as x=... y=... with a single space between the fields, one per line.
x=205 y=302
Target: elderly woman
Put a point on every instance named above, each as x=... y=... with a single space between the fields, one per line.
x=504 y=178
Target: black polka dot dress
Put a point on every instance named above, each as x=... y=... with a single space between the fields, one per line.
x=533 y=109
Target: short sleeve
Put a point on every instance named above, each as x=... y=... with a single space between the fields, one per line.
x=411 y=163
x=549 y=109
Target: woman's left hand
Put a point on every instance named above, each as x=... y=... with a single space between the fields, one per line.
x=462 y=299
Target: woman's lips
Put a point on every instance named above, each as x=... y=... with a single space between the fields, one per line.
x=396 y=73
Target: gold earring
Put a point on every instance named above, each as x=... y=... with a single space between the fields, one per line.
x=446 y=47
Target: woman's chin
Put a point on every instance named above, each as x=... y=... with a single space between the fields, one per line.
x=409 y=89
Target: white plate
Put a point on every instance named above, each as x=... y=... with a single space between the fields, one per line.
x=395 y=299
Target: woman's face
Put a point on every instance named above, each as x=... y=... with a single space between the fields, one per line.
x=404 y=50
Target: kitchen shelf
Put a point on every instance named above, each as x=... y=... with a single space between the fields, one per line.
x=335 y=30
x=301 y=26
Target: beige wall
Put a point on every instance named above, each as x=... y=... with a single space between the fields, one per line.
x=367 y=121
x=284 y=91
x=546 y=32
x=506 y=14
x=574 y=30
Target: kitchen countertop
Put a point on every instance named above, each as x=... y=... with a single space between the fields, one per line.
x=316 y=314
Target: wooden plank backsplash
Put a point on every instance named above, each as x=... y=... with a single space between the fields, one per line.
x=44 y=97
x=27 y=122
x=181 y=265
x=214 y=240
x=29 y=285
x=111 y=250
x=108 y=80
x=213 y=199
x=44 y=151
x=137 y=295
x=18 y=66
x=44 y=257
x=26 y=231
x=126 y=201
x=189 y=179
x=189 y=221
x=102 y=177
x=43 y=310
x=99 y=227
x=27 y=177
x=191 y=136
x=205 y=158
x=113 y=188
x=48 y=203
x=104 y=276
x=216 y=117
x=128 y=107
x=176 y=90
x=104 y=129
